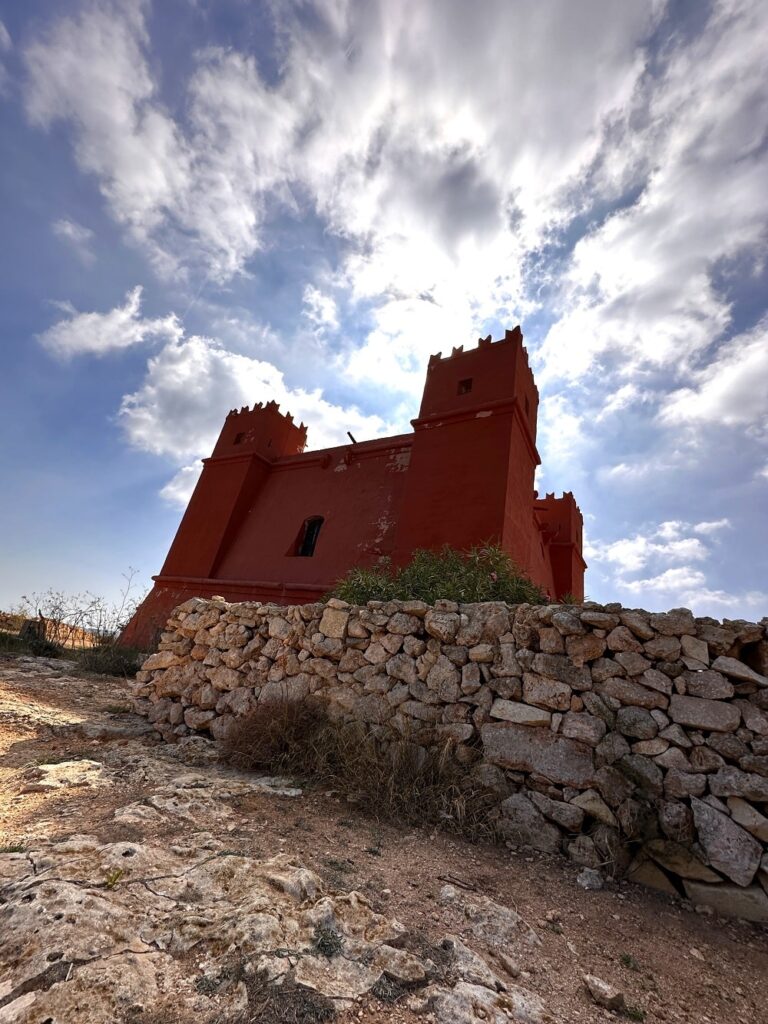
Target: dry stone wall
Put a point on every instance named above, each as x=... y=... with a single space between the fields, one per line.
x=618 y=737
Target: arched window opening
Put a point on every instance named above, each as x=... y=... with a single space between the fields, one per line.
x=307 y=537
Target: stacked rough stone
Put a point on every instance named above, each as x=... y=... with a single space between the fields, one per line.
x=619 y=737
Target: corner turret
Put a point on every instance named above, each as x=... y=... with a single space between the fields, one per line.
x=262 y=430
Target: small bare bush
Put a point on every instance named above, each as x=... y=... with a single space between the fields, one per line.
x=394 y=778
x=83 y=627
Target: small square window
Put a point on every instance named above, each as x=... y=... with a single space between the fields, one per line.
x=239 y=438
x=465 y=386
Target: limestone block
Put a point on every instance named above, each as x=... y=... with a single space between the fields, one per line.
x=676 y=622
x=195 y=718
x=636 y=722
x=162 y=659
x=731 y=781
x=750 y=904
x=748 y=817
x=679 y=860
x=332 y=624
x=728 y=847
x=224 y=679
x=755 y=763
x=422 y=712
x=506 y=663
x=546 y=693
x=728 y=746
x=599 y=620
x=605 y=668
x=613 y=786
x=442 y=625
x=629 y=692
x=511 y=711
x=444 y=679
x=401 y=666
x=294 y=688
x=567 y=624
x=621 y=639
x=551 y=641
x=559 y=667
x=754 y=718
x=656 y=680
x=663 y=648
x=557 y=758
x=650 y=748
x=738 y=670
x=634 y=664
x=699 y=713
x=678 y=785
x=646 y=775
x=637 y=622
x=705 y=759
x=585 y=648
x=593 y=805
x=523 y=823
x=566 y=815
x=582 y=726
x=582 y=850
x=612 y=747
x=644 y=871
x=403 y=624
x=710 y=684
x=676 y=820
x=694 y=648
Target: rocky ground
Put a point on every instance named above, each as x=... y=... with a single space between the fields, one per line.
x=148 y=883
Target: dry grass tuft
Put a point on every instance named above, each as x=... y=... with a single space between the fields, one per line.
x=393 y=779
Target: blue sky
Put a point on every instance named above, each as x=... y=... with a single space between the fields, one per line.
x=205 y=205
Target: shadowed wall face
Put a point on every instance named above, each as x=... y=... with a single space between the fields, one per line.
x=271 y=522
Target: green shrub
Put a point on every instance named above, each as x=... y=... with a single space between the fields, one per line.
x=480 y=574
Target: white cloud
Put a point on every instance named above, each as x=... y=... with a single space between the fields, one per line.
x=687 y=587
x=639 y=286
x=90 y=71
x=666 y=565
x=320 y=309
x=5 y=46
x=193 y=382
x=99 y=333
x=179 y=488
x=633 y=553
x=76 y=235
x=713 y=526
x=725 y=391
x=671 y=581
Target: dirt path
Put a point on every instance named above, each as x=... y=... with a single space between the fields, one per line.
x=146 y=883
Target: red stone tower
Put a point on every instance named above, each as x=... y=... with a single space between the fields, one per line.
x=270 y=522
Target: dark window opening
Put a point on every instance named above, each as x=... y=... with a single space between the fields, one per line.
x=465 y=386
x=307 y=538
x=239 y=438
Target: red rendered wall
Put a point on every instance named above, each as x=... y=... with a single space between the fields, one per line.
x=357 y=489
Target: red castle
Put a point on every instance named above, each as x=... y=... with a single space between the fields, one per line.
x=270 y=522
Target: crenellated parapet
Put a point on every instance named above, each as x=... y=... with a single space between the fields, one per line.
x=262 y=429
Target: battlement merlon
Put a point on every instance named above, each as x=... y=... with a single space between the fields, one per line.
x=262 y=430
x=515 y=335
x=559 y=518
x=492 y=373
